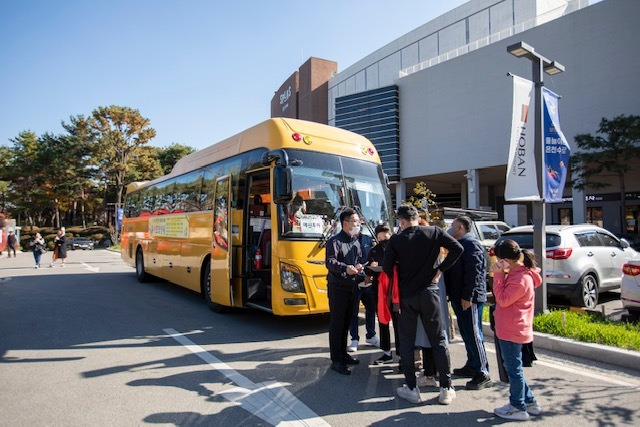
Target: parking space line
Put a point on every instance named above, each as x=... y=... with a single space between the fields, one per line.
x=578 y=371
x=270 y=401
x=88 y=267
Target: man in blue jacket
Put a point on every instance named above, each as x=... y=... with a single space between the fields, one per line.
x=467 y=290
x=345 y=259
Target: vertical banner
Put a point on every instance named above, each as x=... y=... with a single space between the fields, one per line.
x=119 y=215
x=556 y=149
x=521 y=182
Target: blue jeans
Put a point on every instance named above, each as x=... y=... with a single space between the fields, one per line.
x=519 y=391
x=470 y=324
x=366 y=296
x=37 y=255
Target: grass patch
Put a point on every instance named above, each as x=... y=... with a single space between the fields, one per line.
x=588 y=327
x=115 y=248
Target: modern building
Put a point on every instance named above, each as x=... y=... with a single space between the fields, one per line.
x=437 y=101
x=304 y=94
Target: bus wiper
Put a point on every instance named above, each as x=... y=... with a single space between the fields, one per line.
x=366 y=223
x=329 y=232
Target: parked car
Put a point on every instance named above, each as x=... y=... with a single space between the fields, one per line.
x=630 y=287
x=582 y=261
x=81 y=243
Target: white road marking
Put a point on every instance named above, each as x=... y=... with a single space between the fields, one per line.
x=269 y=400
x=88 y=267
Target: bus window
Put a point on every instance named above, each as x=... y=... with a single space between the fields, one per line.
x=188 y=192
x=318 y=193
x=365 y=189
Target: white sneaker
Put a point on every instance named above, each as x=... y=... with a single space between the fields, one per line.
x=425 y=381
x=446 y=395
x=353 y=347
x=412 y=396
x=374 y=341
x=508 y=412
x=51 y=265
x=533 y=408
x=62 y=264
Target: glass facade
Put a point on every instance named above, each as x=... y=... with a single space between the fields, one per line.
x=375 y=115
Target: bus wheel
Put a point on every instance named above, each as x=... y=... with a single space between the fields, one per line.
x=140 y=273
x=206 y=289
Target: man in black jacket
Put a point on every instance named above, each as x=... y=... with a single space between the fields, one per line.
x=416 y=251
x=467 y=291
x=345 y=258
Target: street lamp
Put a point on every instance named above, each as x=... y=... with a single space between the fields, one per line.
x=540 y=65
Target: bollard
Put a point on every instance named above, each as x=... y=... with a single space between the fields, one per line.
x=564 y=320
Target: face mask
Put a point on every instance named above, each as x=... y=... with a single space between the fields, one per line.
x=383 y=243
x=355 y=230
x=452 y=231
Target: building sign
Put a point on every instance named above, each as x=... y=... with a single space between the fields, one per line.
x=169 y=226
x=285 y=101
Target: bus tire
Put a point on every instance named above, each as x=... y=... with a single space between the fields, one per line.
x=206 y=289
x=142 y=275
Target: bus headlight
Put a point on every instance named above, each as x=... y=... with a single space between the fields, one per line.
x=291 y=278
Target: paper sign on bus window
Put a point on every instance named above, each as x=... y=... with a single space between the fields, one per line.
x=311 y=224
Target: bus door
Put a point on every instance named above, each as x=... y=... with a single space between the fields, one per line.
x=257 y=242
x=221 y=285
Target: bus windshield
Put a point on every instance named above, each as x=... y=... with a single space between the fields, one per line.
x=324 y=183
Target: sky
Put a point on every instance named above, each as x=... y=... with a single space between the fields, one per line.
x=200 y=71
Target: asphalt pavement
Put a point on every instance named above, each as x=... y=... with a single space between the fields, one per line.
x=88 y=345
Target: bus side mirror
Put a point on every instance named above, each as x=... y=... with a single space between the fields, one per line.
x=282 y=188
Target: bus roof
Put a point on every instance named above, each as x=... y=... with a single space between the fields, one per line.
x=271 y=134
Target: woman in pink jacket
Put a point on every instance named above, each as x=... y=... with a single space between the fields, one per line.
x=515 y=279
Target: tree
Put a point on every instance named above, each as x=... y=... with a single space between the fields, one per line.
x=120 y=132
x=22 y=169
x=423 y=197
x=145 y=165
x=170 y=155
x=611 y=153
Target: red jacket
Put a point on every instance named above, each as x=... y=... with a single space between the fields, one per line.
x=388 y=296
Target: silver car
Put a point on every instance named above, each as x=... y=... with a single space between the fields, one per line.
x=581 y=261
x=630 y=288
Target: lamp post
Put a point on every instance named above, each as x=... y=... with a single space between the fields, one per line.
x=540 y=65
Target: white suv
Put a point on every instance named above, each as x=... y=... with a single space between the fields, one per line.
x=581 y=260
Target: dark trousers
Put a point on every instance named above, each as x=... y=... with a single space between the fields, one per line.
x=470 y=325
x=385 y=334
x=341 y=301
x=426 y=303
x=9 y=250
x=366 y=296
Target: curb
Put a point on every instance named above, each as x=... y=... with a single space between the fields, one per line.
x=610 y=355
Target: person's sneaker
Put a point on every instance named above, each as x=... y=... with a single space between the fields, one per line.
x=508 y=412
x=533 y=408
x=478 y=382
x=62 y=264
x=412 y=396
x=464 y=372
x=374 y=341
x=341 y=368
x=51 y=265
x=425 y=381
x=353 y=347
x=446 y=395
x=351 y=361
x=385 y=358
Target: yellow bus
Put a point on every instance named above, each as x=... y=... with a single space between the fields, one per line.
x=244 y=221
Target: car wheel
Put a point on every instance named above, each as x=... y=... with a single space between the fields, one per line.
x=206 y=289
x=140 y=273
x=588 y=292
